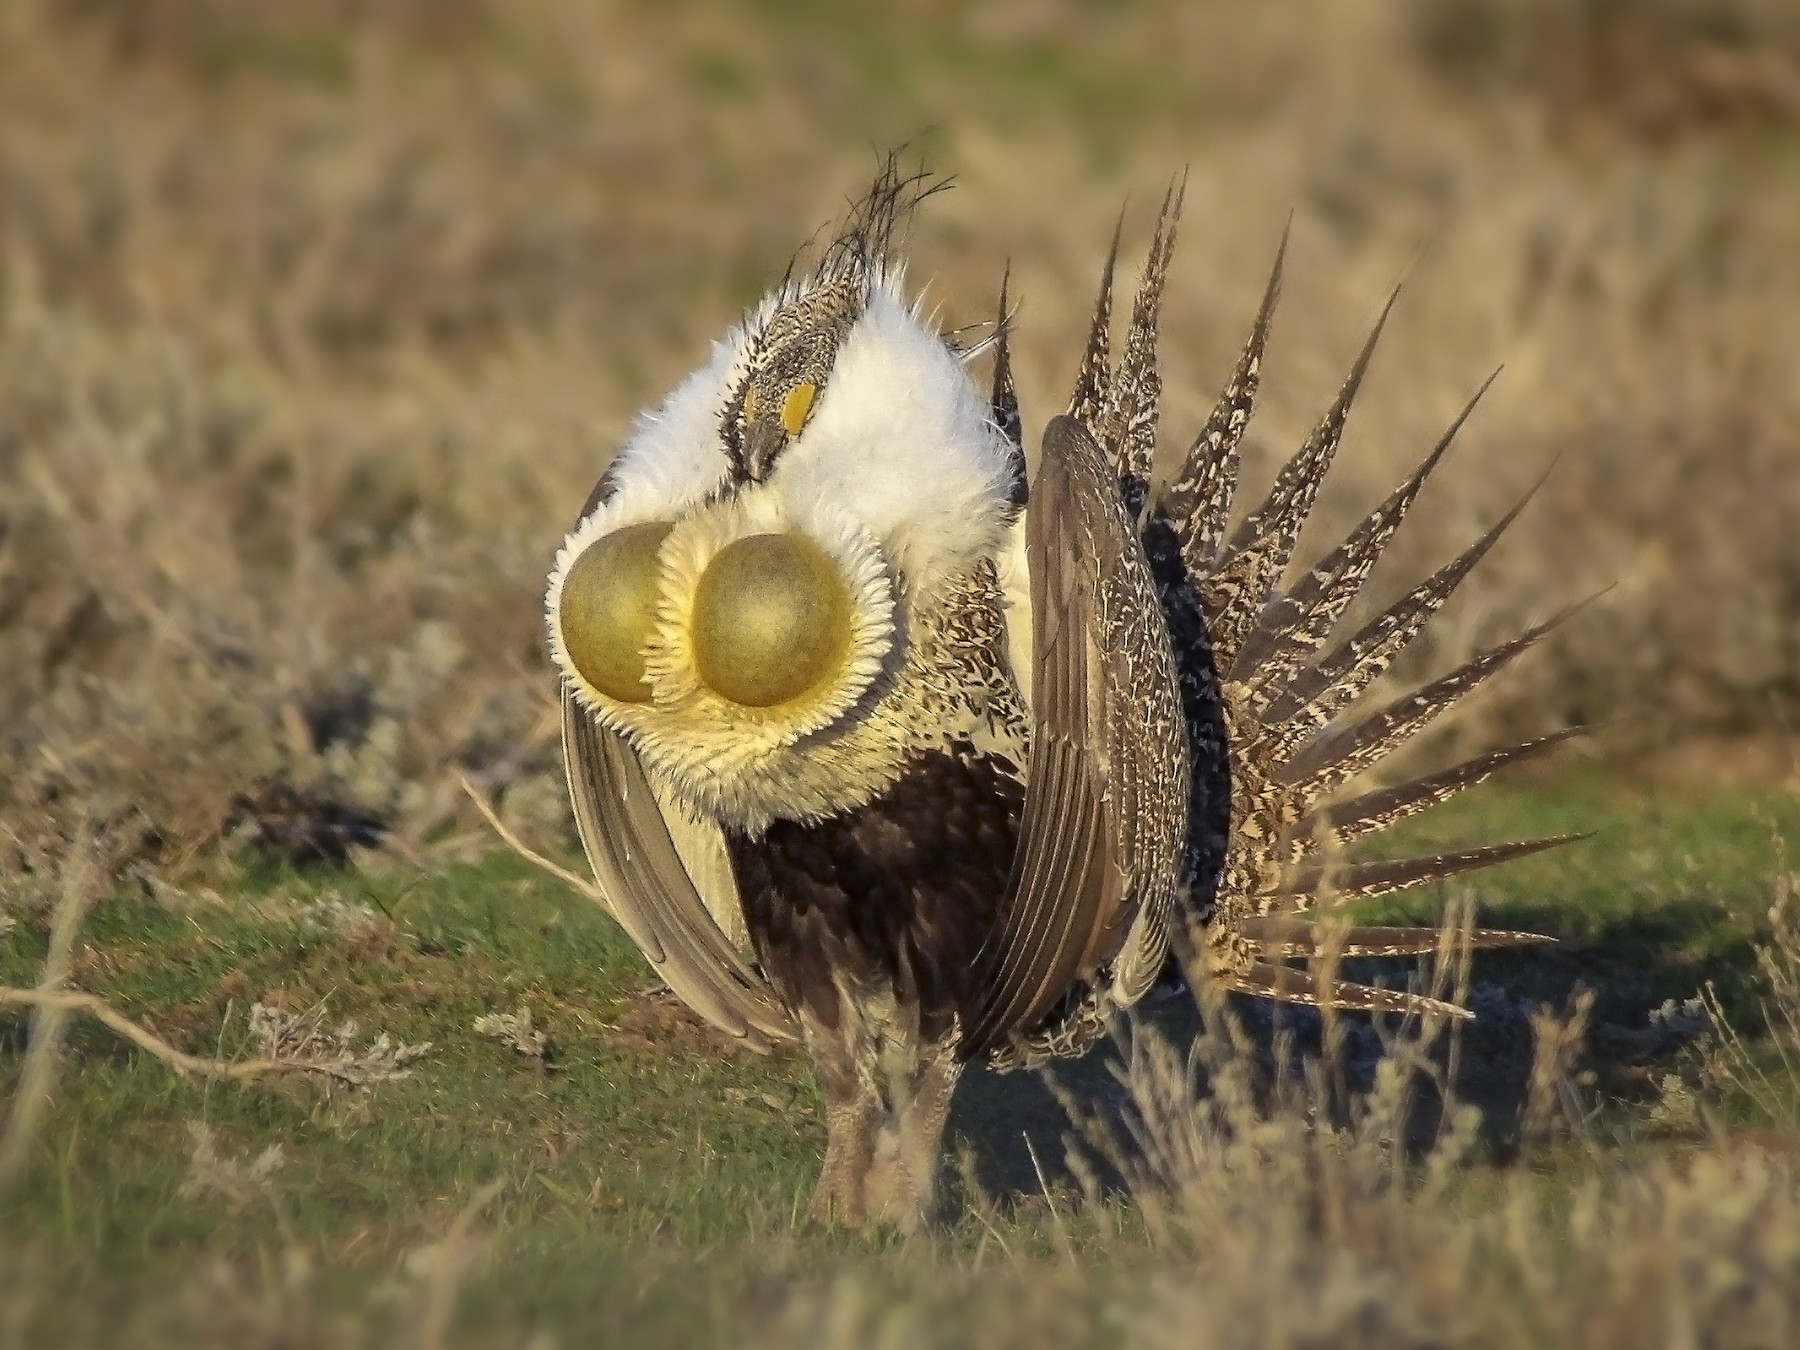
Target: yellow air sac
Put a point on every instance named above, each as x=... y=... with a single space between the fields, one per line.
x=771 y=620
x=608 y=609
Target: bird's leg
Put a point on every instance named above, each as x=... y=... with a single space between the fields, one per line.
x=853 y=1114
x=909 y=1141
x=887 y=1096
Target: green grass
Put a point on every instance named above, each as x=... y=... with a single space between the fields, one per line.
x=1668 y=892
x=645 y=1162
x=469 y=941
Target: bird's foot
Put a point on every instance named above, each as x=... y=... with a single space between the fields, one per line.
x=837 y=1201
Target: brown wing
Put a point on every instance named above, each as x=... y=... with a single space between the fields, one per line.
x=649 y=891
x=1082 y=869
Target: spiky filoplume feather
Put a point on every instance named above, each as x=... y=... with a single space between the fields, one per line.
x=1134 y=396
x=1003 y=401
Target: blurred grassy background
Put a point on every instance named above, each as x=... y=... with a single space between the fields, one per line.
x=317 y=320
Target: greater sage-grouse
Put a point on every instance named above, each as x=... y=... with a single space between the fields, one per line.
x=875 y=744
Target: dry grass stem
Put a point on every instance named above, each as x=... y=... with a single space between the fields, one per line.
x=184 y=1064
x=384 y=1059
x=446 y=1265
x=31 y=1099
x=574 y=881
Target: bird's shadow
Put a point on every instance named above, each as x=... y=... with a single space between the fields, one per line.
x=1019 y=1138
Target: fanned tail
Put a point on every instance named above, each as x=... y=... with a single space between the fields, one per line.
x=1264 y=688
x=1286 y=937
x=1242 y=583
x=1296 y=625
x=1199 y=499
x=1366 y=880
x=1288 y=984
x=1093 y=382
x=1134 y=396
x=1293 y=701
x=1346 y=822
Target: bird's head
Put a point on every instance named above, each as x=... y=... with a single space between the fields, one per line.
x=743 y=598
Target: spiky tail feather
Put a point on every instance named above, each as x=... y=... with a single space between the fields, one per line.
x=1263 y=689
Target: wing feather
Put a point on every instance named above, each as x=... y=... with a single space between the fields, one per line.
x=1093 y=841
x=650 y=893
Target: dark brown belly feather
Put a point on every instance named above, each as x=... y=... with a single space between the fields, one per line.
x=897 y=894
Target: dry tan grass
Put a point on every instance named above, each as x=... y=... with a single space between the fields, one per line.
x=1654 y=69
x=316 y=321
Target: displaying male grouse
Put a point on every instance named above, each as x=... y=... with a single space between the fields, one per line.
x=874 y=744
